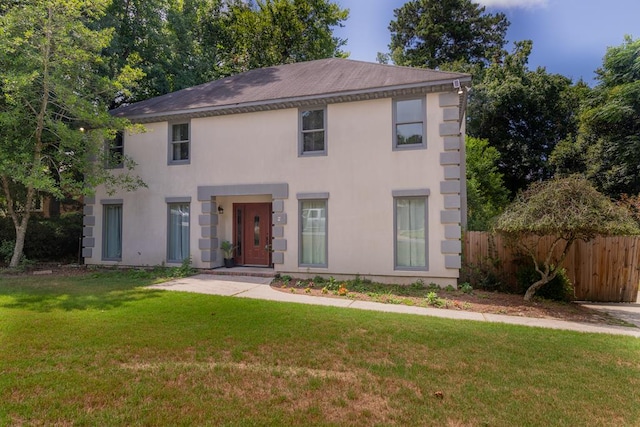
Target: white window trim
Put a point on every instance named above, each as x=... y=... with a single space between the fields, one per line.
x=171 y=143
x=177 y=201
x=105 y=203
x=420 y=146
x=109 y=150
x=410 y=194
x=301 y=132
x=311 y=197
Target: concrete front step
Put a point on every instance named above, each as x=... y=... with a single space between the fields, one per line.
x=242 y=271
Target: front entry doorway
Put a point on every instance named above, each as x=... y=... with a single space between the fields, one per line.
x=252 y=232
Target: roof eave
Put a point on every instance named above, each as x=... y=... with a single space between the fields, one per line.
x=442 y=85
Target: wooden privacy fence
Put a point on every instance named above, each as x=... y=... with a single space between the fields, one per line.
x=605 y=269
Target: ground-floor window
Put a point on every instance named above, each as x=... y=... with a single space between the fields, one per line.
x=411 y=233
x=112 y=232
x=313 y=233
x=178 y=235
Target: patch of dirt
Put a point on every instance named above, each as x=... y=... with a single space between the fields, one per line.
x=46 y=270
x=476 y=301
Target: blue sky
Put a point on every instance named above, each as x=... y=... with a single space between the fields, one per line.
x=570 y=37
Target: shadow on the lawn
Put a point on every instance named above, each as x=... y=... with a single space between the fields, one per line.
x=97 y=292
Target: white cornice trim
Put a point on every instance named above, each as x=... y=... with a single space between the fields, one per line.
x=303 y=101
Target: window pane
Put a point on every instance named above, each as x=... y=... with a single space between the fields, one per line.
x=181 y=151
x=313 y=141
x=409 y=134
x=116 y=151
x=256 y=231
x=313 y=239
x=180 y=132
x=409 y=111
x=411 y=240
x=239 y=232
x=313 y=119
x=112 y=245
x=178 y=232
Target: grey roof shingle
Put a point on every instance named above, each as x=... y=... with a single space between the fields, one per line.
x=284 y=82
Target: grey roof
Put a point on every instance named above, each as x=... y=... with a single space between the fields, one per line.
x=285 y=83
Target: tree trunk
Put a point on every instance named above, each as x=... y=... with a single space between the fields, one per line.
x=548 y=274
x=19 y=222
x=537 y=285
x=545 y=278
x=21 y=233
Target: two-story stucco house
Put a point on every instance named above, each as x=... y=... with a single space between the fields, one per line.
x=328 y=167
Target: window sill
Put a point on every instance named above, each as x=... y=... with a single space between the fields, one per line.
x=313 y=154
x=409 y=147
x=417 y=269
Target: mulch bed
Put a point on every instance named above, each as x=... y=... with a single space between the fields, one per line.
x=476 y=301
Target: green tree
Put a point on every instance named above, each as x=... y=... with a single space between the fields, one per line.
x=568 y=209
x=430 y=33
x=524 y=114
x=610 y=122
x=183 y=43
x=274 y=32
x=486 y=194
x=570 y=155
x=50 y=91
x=198 y=39
x=140 y=39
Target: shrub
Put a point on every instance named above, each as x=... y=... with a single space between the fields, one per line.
x=6 y=250
x=558 y=289
x=48 y=239
x=318 y=279
x=332 y=284
x=466 y=288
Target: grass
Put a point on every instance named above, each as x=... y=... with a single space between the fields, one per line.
x=102 y=350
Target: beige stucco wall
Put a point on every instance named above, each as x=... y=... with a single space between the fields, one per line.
x=359 y=172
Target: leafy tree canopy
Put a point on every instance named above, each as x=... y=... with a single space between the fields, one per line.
x=274 y=32
x=486 y=194
x=182 y=43
x=570 y=207
x=610 y=122
x=430 y=33
x=524 y=114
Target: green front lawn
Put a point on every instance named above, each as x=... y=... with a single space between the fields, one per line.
x=100 y=350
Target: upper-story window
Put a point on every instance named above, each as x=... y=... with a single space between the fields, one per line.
x=115 y=152
x=179 y=143
x=313 y=137
x=409 y=124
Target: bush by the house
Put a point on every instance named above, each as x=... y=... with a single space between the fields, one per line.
x=48 y=239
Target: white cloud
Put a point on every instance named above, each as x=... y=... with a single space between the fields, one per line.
x=527 y=4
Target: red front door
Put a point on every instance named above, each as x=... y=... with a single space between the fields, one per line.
x=252 y=227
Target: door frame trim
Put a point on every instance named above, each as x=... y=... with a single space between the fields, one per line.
x=240 y=259
x=207 y=217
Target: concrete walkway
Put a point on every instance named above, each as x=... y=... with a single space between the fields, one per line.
x=258 y=288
